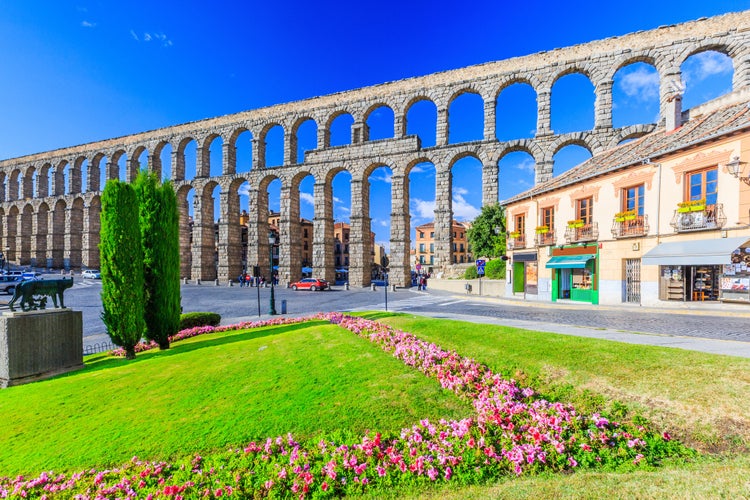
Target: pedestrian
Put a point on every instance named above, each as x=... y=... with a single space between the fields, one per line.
x=241 y=279
x=424 y=282
x=419 y=282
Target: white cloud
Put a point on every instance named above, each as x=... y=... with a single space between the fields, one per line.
x=87 y=24
x=307 y=198
x=244 y=189
x=463 y=210
x=151 y=37
x=337 y=200
x=424 y=209
x=641 y=84
x=385 y=177
x=343 y=209
x=707 y=64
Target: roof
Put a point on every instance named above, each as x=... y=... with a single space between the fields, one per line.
x=711 y=125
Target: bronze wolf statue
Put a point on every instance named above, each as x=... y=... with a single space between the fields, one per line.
x=26 y=290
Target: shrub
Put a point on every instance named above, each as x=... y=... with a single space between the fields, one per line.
x=470 y=273
x=495 y=269
x=193 y=319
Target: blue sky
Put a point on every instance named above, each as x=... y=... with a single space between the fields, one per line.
x=76 y=72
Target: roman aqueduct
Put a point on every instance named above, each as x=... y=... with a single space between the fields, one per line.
x=49 y=219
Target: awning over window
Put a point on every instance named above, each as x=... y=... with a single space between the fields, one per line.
x=569 y=261
x=694 y=253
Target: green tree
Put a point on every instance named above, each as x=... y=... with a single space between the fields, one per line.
x=483 y=238
x=161 y=258
x=121 y=257
x=495 y=269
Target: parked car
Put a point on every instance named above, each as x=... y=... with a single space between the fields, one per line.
x=310 y=284
x=92 y=274
x=31 y=275
x=8 y=284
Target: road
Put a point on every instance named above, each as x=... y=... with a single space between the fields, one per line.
x=236 y=304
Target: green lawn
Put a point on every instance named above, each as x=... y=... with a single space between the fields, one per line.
x=212 y=392
x=222 y=390
x=700 y=398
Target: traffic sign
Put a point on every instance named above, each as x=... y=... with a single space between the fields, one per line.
x=419 y=267
x=480 y=266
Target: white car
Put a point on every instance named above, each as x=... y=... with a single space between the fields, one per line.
x=92 y=274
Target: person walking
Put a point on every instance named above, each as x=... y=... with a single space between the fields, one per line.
x=241 y=279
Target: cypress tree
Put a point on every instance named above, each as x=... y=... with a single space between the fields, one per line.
x=122 y=266
x=161 y=264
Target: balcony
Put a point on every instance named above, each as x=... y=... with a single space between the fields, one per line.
x=579 y=234
x=516 y=242
x=630 y=227
x=545 y=239
x=707 y=218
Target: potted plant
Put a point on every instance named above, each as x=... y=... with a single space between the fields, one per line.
x=698 y=205
x=515 y=234
x=683 y=207
x=542 y=230
x=576 y=223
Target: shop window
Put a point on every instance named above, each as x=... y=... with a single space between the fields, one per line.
x=702 y=185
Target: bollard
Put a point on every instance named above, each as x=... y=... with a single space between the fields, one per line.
x=230 y=283
x=216 y=282
x=393 y=288
x=184 y=281
x=346 y=286
x=283 y=306
x=198 y=281
x=372 y=286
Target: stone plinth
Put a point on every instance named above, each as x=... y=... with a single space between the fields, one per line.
x=38 y=345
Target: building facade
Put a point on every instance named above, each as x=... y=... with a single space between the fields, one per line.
x=665 y=217
x=424 y=252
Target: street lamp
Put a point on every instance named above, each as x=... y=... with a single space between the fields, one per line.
x=271 y=243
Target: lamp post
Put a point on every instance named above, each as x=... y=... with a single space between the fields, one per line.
x=271 y=243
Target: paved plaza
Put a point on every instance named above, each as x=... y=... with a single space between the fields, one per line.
x=714 y=328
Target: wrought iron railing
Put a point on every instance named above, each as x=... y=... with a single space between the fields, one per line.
x=628 y=227
x=711 y=217
x=516 y=242
x=585 y=232
x=545 y=239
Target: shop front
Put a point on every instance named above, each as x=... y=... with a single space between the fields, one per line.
x=525 y=273
x=574 y=274
x=703 y=270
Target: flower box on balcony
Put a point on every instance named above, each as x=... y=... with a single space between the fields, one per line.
x=691 y=206
x=542 y=230
x=626 y=215
x=515 y=234
x=575 y=223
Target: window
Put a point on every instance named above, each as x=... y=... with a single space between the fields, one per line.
x=454 y=235
x=702 y=185
x=432 y=234
x=548 y=218
x=462 y=247
x=432 y=248
x=432 y=259
x=455 y=247
x=585 y=210
x=305 y=245
x=632 y=199
x=421 y=234
x=305 y=232
x=421 y=248
x=520 y=224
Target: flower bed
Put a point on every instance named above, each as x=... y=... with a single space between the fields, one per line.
x=512 y=432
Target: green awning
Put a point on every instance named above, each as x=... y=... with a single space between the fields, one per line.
x=569 y=261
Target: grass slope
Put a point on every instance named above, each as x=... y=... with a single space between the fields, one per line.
x=211 y=392
x=701 y=398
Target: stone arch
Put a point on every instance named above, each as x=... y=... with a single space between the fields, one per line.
x=76 y=172
x=293 y=139
x=115 y=170
x=29 y=176
x=25 y=234
x=584 y=140
x=57 y=246
x=182 y=190
x=11 y=244
x=631 y=132
x=628 y=59
x=134 y=166
x=179 y=169
x=74 y=234
x=92 y=230
x=407 y=109
x=457 y=98
x=156 y=164
x=332 y=118
x=41 y=234
x=13 y=185
x=369 y=113
x=94 y=177
x=42 y=179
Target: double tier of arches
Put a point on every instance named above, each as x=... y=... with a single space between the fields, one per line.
x=50 y=202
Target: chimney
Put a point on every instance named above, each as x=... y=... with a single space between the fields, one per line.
x=674 y=112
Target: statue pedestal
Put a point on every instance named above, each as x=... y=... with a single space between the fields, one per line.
x=37 y=345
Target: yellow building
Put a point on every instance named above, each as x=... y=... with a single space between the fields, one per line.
x=424 y=253
x=665 y=217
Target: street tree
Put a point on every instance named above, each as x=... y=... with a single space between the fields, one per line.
x=487 y=232
x=121 y=258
